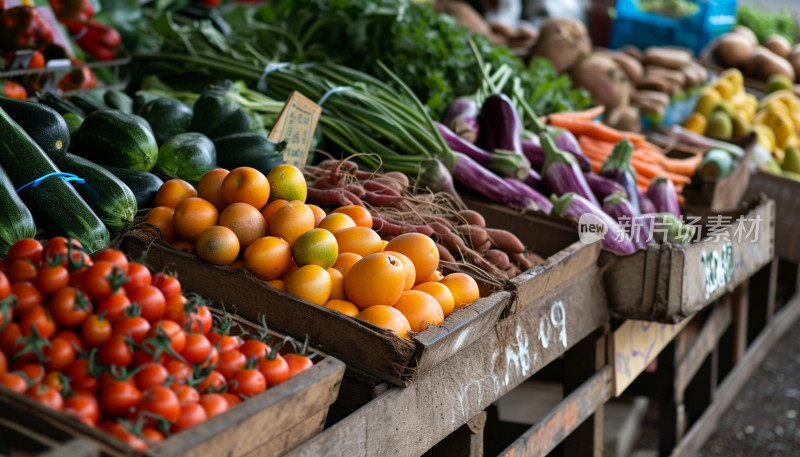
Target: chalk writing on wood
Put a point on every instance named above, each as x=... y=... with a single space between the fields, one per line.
x=717 y=268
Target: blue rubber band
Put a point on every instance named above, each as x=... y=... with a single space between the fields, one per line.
x=269 y=68
x=66 y=176
x=335 y=90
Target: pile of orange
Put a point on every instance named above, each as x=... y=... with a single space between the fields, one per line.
x=244 y=219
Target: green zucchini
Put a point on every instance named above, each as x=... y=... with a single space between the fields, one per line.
x=717 y=163
x=60 y=105
x=187 y=156
x=248 y=149
x=47 y=128
x=116 y=99
x=111 y=137
x=168 y=116
x=56 y=206
x=144 y=185
x=216 y=113
x=90 y=101
x=16 y=222
x=141 y=100
x=110 y=198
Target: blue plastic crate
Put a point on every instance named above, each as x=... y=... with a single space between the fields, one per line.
x=705 y=20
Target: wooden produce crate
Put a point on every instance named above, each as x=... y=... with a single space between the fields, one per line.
x=668 y=283
x=269 y=424
x=786 y=193
x=365 y=346
x=19 y=441
x=554 y=239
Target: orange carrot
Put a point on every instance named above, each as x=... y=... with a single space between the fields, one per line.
x=587 y=114
x=686 y=167
x=593 y=129
x=650 y=156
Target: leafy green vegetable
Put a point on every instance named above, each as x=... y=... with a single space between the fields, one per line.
x=764 y=23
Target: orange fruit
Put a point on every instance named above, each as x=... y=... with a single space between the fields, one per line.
x=343 y=306
x=337 y=285
x=238 y=263
x=420 y=309
x=192 y=216
x=278 y=284
x=269 y=209
x=441 y=293
x=184 y=246
x=210 y=187
x=319 y=214
x=315 y=247
x=463 y=287
x=411 y=272
x=218 y=245
x=291 y=220
x=436 y=276
x=246 y=222
x=246 y=185
x=161 y=218
x=292 y=268
x=377 y=279
x=345 y=260
x=420 y=249
x=287 y=182
x=268 y=258
x=358 y=214
x=386 y=317
x=310 y=282
x=383 y=244
x=335 y=222
x=174 y=191
x=361 y=240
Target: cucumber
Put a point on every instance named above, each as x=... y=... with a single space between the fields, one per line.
x=116 y=99
x=111 y=137
x=110 y=198
x=47 y=128
x=248 y=149
x=144 y=185
x=187 y=156
x=16 y=222
x=90 y=101
x=168 y=116
x=60 y=105
x=55 y=205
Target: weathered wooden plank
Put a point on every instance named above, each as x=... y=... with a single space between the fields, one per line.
x=543 y=437
x=581 y=363
x=408 y=421
x=671 y=411
x=737 y=377
x=73 y=448
x=466 y=441
x=290 y=438
x=739 y=315
x=706 y=341
x=786 y=193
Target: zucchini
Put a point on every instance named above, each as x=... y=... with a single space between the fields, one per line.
x=187 y=156
x=141 y=100
x=116 y=99
x=144 y=185
x=47 y=128
x=111 y=137
x=248 y=149
x=110 y=198
x=60 y=105
x=16 y=222
x=216 y=113
x=90 y=101
x=55 y=205
x=168 y=116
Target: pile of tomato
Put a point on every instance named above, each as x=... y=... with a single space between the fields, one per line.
x=105 y=340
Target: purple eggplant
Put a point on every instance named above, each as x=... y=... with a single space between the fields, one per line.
x=532 y=150
x=437 y=177
x=602 y=187
x=574 y=206
x=462 y=118
x=561 y=173
x=502 y=163
x=618 y=168
x=663 y=195
x=544 y=204
x=534 y=181
x=645 y=205
x=567 y=142
x=501 y=127
x=617 y=206
x=474 y=176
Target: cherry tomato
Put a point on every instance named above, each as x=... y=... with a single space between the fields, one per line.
x=11 y=339
x=297 y=363
x=247 y=382
x=191 y=415
x=152 y=435
x=138 y=275
x=114 y=307
x=186 y=394
x=80 y=379
x=76 y=277
x=83 y=406
x=142 y=357
x=150 y=375
x=233 y=399
x=172 y=331
x=160 y=401
x=214 y=381
x=59 y=354
x=254 y=348
x=135 y=327
x=180 y=371
x=95 y=331
x=47 y=396
x=54 y=380
x=119 y=397
x=197 y=348
x=116 y=351
x=14 y=382
x=214 y=404
x=40 y=318
x=212 y=359
x=51 y=279
x=71 y=337
x=175 y=309
x=57 y=249
x=169 y=285
x=203 y=316
x=275 y=371
x=70 y=307
x=26 y=248
x=22 y=270
x=151 y=300
x=231 y=361
x=5 y=286
x=28 y=296
x=225 y=342
x=34 y=371
x=3 y=363
x=114 y=256
x=117 y=430
x=102 y=279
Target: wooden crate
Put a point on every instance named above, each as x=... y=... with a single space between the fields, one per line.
x=786 y=193
x=370 y=348
x=19 y=441
x=269 y=424
x=668 y=283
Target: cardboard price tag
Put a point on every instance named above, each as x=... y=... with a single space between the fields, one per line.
x=296 y=125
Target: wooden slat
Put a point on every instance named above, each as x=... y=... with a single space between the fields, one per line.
x=581 y=363
x=543 y=437
x=736 y=379
x=739 y=315
x=409 y=421
x=73 y=448
x=466 y=441
x=706 y=341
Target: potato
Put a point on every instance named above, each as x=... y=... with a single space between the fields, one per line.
x=747 y=33
x=733 y=49
x=502 y=29
x=765 y=63
x=650 y=95
x=632 y=67
x=604 y=80
x=693 y=76
x=779 y=45
x=674 y=76
x=563 y=42
x=626 y=118
x=465 y=15
x=673 y=58
x=655 y=83
x=633 y=51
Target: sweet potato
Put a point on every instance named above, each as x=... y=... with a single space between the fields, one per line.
x=474 y=234
x=473 y=217
x=521 y=261
x=673 y=58
x=498 y=258
x=444 y=253
x=505 y=241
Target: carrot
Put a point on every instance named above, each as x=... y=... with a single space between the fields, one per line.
x=686 y=167
x=593 y=129
x=587 y=114
x=649 y=156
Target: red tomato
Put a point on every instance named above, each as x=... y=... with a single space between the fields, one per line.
x=142 y=357
x=197 y=348
x=150 y=375
x=233 y=399
x=28 y=296
x=119 y=397
x=95 y=331
x=71 y=337
x=84 y=406
x=14 y=382
x=138 y=275
x=247 y=382
x=117 y=430
x=169 y=285
x=47 y=396
x=214 y=404
x=203 y=316
x=275 y=370
x=76 y=277
x=5 y=286
x=51 y=279
x=26 y=248
x=171 y=331
x=297 y=363
x=254 y=348
x=225 y=342
x=22 y=270
x=186 y=394
x=40 y=318
x=180 y=371
x=3 y=363
x=231 y=361
x=135 y=327
x=59 y=354
x=70 y=307
x=80 y=379
x=57 y=249
x=34 y=371
x=114 y=256
x=152 y=435
x=213 y=382
x=161 y=401
x=54 y=380
x=191 y=415
x=102 y=279
x=11 y=339
x=151 y=300
x=114 y=307
x=116 y=351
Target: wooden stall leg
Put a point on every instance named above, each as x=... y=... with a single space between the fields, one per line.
x=466 y=441
x=740 y=307
x=672 y=414
x=763 y=288
x=580 y=363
